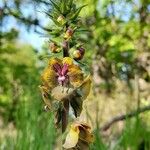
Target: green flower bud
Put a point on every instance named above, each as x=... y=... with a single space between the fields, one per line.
x=54 y=48
x=69 y=33
x=79 y=53
x=61 y=20
x=82 y=50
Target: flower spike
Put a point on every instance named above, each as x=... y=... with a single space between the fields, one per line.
x=65 y=83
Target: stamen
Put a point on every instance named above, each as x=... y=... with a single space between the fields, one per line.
x=57 y=67
x=64 y=69
x=61 y=72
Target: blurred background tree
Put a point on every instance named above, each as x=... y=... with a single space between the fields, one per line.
x=120 y=35
x=117 y=37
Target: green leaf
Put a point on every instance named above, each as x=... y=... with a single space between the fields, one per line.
x=77 y=12
x=55 y=6
x=69 y=7
x=52 y=18
x=82 y=30
x=70 y=3
x=56 y=32
x=48 y=14
x=63 y=7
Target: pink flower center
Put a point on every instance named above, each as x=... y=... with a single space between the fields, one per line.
x=61 y=72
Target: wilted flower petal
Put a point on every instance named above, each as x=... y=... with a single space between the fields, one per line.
x=79 y=95
x=61 y=93
x=74 y=96
x=72 y=137
x=85 y=87
x=79 y=134
x=46 y=96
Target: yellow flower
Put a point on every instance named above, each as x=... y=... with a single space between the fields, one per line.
x=62 y=72
x=78 y=135
x=64 y=81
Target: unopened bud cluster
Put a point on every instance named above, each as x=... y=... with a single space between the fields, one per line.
x=77 y=53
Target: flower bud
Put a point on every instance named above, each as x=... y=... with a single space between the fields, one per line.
x=82 y=50
x=68 y=33
x=79 y=53
x=76 y=55
x=54 y=48
x=61 y=20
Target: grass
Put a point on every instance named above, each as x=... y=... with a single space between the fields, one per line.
x=35 y=128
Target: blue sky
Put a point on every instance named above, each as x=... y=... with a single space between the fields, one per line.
x=30 y=37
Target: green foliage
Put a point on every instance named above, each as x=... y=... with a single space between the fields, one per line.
x=20 y=99
x=98 y=143
x=135 y=136
x=16 y=63
x=34 y=127
x=115 y=42
x=66 y=8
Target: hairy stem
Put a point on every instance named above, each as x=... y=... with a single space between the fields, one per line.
x=65 y=49
x=65 y=111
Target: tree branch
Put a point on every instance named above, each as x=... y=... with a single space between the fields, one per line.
x=122 y=117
